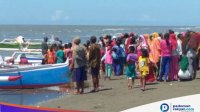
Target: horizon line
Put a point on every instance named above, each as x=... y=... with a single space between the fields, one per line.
x=95 y=25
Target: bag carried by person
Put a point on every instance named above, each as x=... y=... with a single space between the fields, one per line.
x=184 y=72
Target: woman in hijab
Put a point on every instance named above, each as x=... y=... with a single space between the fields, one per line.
x=151 y=76
x=174 y=65
x=142 y=44
x=192 y=47
x=166 y=47
x=198 y=50
x=118 y=60
x=155 y=51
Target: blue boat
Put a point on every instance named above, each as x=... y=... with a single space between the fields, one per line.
x=6 y=107
x=34 y=76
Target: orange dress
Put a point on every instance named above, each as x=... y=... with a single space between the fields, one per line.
x=51 y=57
x=155 y=51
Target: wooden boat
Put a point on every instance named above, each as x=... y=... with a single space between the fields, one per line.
x=6 y=107
x=34 y=76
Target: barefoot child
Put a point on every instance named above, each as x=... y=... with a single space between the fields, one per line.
x=130 y=70
x=143 y=67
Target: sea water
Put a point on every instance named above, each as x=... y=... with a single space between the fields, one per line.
x=67 y=32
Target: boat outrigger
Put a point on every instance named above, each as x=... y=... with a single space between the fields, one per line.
x=21 y=44
x=14 y=44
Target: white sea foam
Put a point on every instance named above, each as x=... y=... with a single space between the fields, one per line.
x=184 y=28
x=117 y=34
x=77 y=30
x=112 y=29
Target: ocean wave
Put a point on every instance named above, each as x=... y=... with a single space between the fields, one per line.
x=117 y=34
x=198 y=27
x=112 y=29
x=184 y=28
x=77 y=30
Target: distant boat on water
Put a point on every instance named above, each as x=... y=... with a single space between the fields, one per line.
x=20 y=43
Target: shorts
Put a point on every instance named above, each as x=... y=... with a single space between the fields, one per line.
x=79 y=74
x=95 y=71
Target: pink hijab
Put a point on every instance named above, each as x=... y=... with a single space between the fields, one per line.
x=143 y=42
x=173 y=41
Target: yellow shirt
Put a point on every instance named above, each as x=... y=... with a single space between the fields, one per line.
x=144 y=64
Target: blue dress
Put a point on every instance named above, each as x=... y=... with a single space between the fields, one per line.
x=118 y=60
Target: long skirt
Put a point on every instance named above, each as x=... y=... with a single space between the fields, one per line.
x=174 y=68
x=130 y=71
x=151 y=77
x=102 y=63
x=117 y=69
x=191 y=54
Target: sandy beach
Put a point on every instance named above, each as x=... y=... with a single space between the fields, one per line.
x=115 y=96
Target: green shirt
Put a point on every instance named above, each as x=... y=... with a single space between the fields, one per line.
x=60 y=56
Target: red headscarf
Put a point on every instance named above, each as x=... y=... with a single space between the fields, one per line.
x=198 y=37
x=173 y=41
x=193 y=42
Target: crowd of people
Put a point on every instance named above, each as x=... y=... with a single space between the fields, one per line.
x=171 y=56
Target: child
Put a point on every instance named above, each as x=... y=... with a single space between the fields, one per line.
x=60 y=56
x=23 y=59
x=68 y=52
x=130 y=70
x=51 y=56
x=108 y=61
x=143 y=67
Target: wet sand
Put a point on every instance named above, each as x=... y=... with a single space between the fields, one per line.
x=115 y=96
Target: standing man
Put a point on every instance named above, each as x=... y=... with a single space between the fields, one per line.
x=78 y=65
x=44 y=49
x=44 y=46
x=94 y=62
